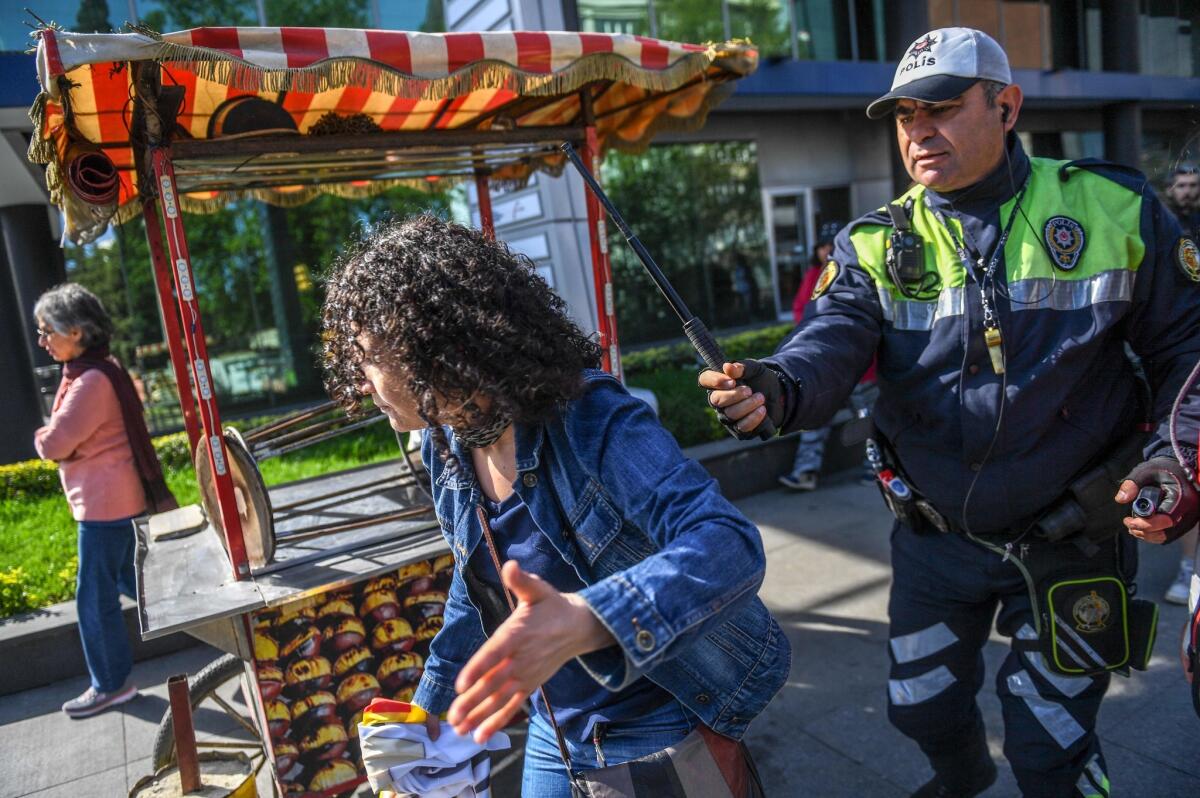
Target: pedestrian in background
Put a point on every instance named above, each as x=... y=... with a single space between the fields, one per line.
x=810 y=450
x=1183 y=198
x=110 y=473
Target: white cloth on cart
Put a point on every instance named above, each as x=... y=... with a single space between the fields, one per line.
x=400 y=757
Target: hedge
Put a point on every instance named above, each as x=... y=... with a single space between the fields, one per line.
x=33 y=479
x=753 y=343
x=669 y=371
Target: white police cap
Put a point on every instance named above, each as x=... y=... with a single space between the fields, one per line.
x=941 y=65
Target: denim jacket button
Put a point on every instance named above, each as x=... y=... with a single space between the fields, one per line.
x=703 y=698
x=529 y=480
x=644 y=640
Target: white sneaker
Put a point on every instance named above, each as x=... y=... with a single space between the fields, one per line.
x=805 y=480
x=1177 y=593
x=92 y=701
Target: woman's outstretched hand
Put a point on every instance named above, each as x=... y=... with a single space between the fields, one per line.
x=547 y=630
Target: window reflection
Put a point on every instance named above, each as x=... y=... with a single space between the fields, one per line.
x=690 y=20
x=614 y=16
x=764 y=22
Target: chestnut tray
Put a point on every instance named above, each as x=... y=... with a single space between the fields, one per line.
x=187 y=582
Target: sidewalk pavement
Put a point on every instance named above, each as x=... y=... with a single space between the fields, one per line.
x=826 y=735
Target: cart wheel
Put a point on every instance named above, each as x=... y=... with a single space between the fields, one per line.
x=209 y=691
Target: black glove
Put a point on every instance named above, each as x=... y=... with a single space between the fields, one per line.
x=1179 y=502
x=764 y=380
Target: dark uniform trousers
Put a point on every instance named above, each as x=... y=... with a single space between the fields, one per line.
x=945 y=592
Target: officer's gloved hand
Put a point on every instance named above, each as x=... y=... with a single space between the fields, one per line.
x=1179 y=505
x=748 y=398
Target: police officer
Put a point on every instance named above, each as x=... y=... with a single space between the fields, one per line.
x=999 y=293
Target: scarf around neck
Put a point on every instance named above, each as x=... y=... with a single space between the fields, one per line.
x=158 y=495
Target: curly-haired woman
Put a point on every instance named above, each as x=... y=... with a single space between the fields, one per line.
x=635 y=581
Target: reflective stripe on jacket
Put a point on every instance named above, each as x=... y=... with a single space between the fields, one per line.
x=1070 y=389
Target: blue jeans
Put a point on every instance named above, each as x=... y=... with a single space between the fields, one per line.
x=105 y=571
x=544 y=775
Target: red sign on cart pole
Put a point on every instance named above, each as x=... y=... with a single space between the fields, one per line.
x=193 y=334
x=606 y=312
x=170 y=317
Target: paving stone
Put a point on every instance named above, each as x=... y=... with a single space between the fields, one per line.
x=105 y=784
x=43 y=751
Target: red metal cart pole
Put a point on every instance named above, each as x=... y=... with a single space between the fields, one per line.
x=486 y=222
x=606 y=313
x=170 y=316
x=193 y=334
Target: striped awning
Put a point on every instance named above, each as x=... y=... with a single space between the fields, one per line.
x=513 y=91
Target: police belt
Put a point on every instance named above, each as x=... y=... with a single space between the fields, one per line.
x=1086 y=506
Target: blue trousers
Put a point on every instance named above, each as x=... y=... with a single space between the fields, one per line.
x=945 y=592
x=105 y=571
x=544 y=775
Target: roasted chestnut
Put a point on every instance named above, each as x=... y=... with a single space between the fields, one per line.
x=286 y=755
x=315 y=709
x=416 y=578
x=308 y=675
x=353 y=660
x=335 y=609
x=343 y=634
x=426 y=632
x=422 y=606
x=443 y=570
x=290 y=624
x=333 y=774
x=385 y=582
x=324 y=742
x=379 y=606
x=400 y=670
x=404 y=694
x=356 y=691
x=279 y=717
x=270 y=681
x=352 y=727
x=305 y=644
x=392 y=637
x=265 y=648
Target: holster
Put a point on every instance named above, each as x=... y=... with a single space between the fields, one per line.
x=1087 y=620
x=1087 y=505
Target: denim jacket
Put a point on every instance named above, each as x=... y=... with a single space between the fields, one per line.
x=672 y=569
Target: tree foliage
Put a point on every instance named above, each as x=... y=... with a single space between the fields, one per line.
x=92 y=17
x=698 y=209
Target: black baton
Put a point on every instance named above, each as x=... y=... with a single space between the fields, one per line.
x=693 y=326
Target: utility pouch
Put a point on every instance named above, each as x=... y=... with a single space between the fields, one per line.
x=1088 y=623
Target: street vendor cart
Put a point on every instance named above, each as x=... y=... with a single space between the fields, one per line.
x=326 y=592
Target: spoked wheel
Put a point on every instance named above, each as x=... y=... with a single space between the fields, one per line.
x=223 y=721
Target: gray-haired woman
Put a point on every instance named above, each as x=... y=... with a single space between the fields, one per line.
x=110 y=473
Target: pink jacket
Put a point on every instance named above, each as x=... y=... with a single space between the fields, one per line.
x=86 y=436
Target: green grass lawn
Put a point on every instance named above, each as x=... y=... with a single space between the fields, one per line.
x=37 y=535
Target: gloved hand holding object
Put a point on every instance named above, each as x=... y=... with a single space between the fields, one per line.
x=744 y=408
x=1177 y=510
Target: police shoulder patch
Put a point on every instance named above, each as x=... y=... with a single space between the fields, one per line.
x=828 y=275
x=1187 y=255
x=1064 y=239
